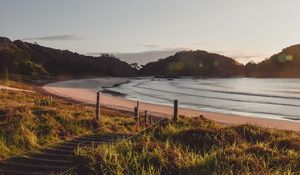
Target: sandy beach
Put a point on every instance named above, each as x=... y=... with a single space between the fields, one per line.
x=84 y=90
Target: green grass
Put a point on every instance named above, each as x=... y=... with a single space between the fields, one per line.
x=189 y=146
x=199 y=146
x=31 y=120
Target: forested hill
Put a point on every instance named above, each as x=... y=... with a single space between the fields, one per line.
x=25 y=58
x=285 y=64
x=194 y=63
x=18 y=57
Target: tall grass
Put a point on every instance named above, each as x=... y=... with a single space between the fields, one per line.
x=30 y=120
x=189 y=146
x=200 y=146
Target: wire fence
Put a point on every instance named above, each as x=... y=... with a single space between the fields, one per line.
x=70 y=103
x=90 y=106
x=50 y=104
x=42 y=79
x=54 y=143
x=120 y=143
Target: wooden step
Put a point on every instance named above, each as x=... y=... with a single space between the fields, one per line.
x=53 y=156
x=58 y=151
x=44 y=161
x=55 y=159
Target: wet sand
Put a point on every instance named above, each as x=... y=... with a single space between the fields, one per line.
x=84 y=90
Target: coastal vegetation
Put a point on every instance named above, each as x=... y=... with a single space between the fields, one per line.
x=285 y=64
x=199 y=146
x=194 y=63
x=18 y=57
x=30 y=120
x=25 y=58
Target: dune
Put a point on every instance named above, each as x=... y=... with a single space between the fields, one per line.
x=84 y=90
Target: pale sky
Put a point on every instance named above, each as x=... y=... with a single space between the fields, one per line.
x=146 y=30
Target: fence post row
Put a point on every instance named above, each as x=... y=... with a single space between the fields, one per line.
x=98 y=106
x=175 y=117
x=136 y=111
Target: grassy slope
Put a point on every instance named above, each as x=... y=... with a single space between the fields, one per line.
x=200 y=146
x=190 y=146
x=34 y=120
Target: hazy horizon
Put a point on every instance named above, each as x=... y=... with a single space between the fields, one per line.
x=144 y=31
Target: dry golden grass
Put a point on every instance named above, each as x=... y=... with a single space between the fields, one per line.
x=200 y=146
x=30 y=120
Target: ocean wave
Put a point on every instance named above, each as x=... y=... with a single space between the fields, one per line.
x=217 y=98
x=222 y=108
x=239 y=93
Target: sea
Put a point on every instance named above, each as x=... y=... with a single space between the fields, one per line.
x=275 y=98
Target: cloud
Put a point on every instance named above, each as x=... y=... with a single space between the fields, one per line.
x=53 y=38
x=172 y=46
x=149 y=45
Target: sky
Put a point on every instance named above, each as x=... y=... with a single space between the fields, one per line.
x=146 y=30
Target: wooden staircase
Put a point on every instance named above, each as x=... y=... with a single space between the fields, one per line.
x=56 y=159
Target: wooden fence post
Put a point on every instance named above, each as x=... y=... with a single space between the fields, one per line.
x=135 y=113
x=98 y=106
x=145 y=119
x=175 y=117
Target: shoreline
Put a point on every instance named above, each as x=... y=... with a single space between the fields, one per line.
x=84 y=90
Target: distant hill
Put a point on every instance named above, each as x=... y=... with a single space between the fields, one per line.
x=281 y=65
x=194 y=63
x=20 y=57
